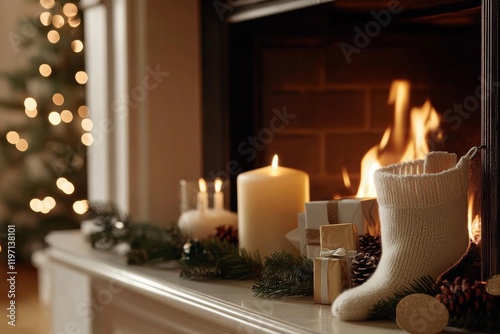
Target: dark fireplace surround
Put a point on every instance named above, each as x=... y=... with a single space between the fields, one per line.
x=231 y=103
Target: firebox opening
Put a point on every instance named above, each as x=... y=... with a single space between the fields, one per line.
x=313 y=85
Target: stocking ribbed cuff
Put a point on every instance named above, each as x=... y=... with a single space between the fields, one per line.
x=422 y=183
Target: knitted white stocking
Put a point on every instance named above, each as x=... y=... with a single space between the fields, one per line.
x=423 y=216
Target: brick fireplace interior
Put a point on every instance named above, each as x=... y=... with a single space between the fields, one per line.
x=301 y=62
x=256 y=68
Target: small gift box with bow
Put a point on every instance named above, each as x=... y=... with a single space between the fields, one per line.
x=331 y=270
x=362 y=212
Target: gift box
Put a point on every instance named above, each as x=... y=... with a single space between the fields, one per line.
x=362 y=212
x=338 y=244
x=331 y=277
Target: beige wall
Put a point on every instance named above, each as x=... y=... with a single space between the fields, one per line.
x=152 y=58
x=174 y=108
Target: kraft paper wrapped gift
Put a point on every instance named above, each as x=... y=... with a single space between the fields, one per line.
x=331 y=277
x=362 y=212
x=331 y=271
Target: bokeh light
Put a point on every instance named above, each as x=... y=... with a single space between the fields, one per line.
x=54 y=118
x=53 y=36
x=81 y=77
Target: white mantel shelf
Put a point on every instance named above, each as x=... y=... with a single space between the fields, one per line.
x=219 y=306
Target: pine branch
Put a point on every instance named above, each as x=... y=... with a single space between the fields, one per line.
x=387 y=308
x=285 y=274
x=218 y=259
x=151 y=244
x=104 y=213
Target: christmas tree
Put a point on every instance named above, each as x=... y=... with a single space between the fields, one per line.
x=43 y=140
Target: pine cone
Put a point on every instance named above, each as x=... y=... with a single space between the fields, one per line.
x=370 y=244
x=362 y=267
x=228 y=233
x=462 y=299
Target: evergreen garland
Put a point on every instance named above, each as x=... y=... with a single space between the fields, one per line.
x=218 y=259
x=285 y=274
x=148 y=243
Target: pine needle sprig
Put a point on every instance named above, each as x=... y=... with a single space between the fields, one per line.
x=218 y=259
x=152 y=244
x=115 y=226
x=285 y=274
x=386 y=309
x=103 y=213
x=239 y=264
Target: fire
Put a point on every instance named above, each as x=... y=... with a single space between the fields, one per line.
x=405 y=140
x=474 y=221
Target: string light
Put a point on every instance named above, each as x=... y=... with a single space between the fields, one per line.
x=66 y=116
x=54 y=118
x=87 y=139
x=31 y=113
x=58 y=21
x=47 y=4
x=36 y=205
x=22 y=145
x=49 y=202
x=30 y=103
x=70 y=10
x=87 y=124
x=74 y=22
x=45 y=70
x=81 y=77
x=77 y=46
x=66 y=186
x=83 y=111
x=58 y=99
x=60 y=182
x=80 y=207
x=46 y=18
x=53 y=36
x=12 y=137
x=44 y=206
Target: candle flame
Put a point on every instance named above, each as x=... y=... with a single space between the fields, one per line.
x=203 y=185
x=218 y=185
x=275 y=162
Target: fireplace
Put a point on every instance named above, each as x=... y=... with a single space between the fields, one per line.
x=312 y=85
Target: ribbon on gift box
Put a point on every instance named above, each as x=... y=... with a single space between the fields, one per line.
x=332 y=209
x=337 y=252
x=336 y=262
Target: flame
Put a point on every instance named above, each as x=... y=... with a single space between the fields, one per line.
x=274 y=164
x=405 y=140
x=345 y=177
x=218 y=185
x=474 y=221
x=203 y=185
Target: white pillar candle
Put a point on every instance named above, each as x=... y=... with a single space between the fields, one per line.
x=202 y=199
x=269 y=199
x=218 y=195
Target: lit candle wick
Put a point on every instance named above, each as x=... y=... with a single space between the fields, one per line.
x=274 y=164
x=202 y=200
x=218 y=185
x=203 y=185
x=218 y=196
